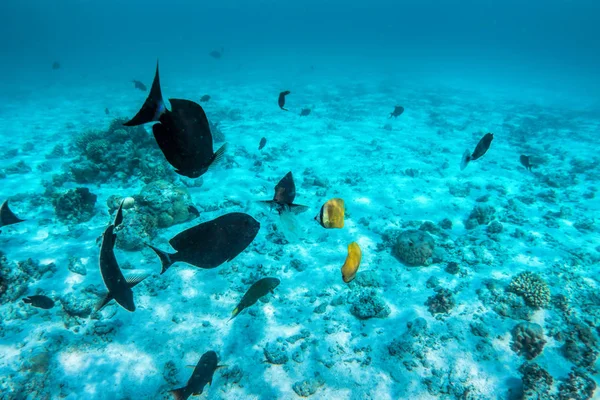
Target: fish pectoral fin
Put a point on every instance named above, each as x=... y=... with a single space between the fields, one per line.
x=218 y=156
x=272 y=292
x=221 y=366
x=191 y=366
x=135 y=279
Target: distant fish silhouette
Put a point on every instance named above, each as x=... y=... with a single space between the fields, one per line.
x=106 y=111
x=482 y=147
x=305 y=112
x=139 y=85
x=525 y=161
x=262 y=144
x=39 y=301
x=260 y=288
x=205 y=98
x=211 y=243
x=55 y=65
x=398 y=110
x=281 y=100
x=183 y=134
x=7 y=217
x=285 y=193
x=118 y=287
x=216 y=54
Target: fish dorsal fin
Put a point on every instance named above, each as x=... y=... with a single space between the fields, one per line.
x=285 y=190
x=7 y=217
x=104 y=299
x=153 y=107
x=119 y=215
x=135 y=279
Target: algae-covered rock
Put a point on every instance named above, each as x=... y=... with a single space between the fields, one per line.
x=76 y=205
x=368 y=305
x=168 y=203
x=414 y=247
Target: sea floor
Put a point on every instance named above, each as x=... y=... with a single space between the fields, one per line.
x=447 y=329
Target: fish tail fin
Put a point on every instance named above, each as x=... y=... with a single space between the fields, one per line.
x=234 y=313
x=284 y=109
x=153 y=107
x=178 y=394
x=218 y=156
x=104 y=299
x=466 y=158
x=27 y=300
x=165 y=258
x=7 y=217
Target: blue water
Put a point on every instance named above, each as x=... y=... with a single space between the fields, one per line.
x=525 y=71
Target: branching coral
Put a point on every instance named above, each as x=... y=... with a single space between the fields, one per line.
x=532 y=288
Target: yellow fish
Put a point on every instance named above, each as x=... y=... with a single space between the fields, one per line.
x=352 y=262
x=332 y=214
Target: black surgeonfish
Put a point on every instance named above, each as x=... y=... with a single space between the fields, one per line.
x=202 y=375
x=285 y=193
x=217 y=54
x=281 y=100
x=7 y=217
x=263 y=143
x=525 y=161
x=183 y=134
x=139 y=85
x=398 y=110
x=211 y=243
x=258 y=289
x=205 y=98
x=305 y=112
x=481 y=148
x=118 y=287
x=39 y=301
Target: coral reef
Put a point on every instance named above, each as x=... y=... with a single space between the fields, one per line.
x=368 y=305
x=480 y=215
x=76 y=205
x=528 y=340
x=537 y=382
x=440 y=303
x=414 y=247
x=532 y=288
x=578 y=386
x=308 y=387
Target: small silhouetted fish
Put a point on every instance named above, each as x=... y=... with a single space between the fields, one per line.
x=55 y=65
x=481 y=148
x=7 y=217
x=281 y=100
x=217 y=54
x=118 y=287
x=285 y=193
x=262 y=144
x=305 y=112
x=183 y=134
x=205 y=98
x=211 y=243
x=106 y=111
x=332 y=214
x=525 y=161
x=258 y=289
x=202 y=375
x=398 y=110
x=39 y=301
x=139 y=85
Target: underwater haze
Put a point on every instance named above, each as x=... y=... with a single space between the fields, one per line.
x=315 y=199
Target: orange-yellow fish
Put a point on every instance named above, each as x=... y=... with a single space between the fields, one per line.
x=352 y=262
x=332 y=214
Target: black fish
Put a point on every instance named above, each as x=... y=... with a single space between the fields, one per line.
x=118 y=287
x=106 y=111
x=38 y=301
x=139 y=85
x=55 y=65
x=202 y=375
x=7 y=217
x=281 y=100
x=285 y=193
x=525 y=162
x=481 y=148
x=216 y=53
x=211 y=243
x=258 y=289
x=205 y=98
x=305 y=112
x=398 y=110
x=262 y=144
x=183 y=134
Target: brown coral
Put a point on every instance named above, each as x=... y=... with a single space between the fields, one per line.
x=414 y=247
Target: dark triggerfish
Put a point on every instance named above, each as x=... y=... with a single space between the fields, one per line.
x=139 y=85
x=202 y=375
x=118 y=287
x=281 y=100
x=398 y=110
x=262 y=143
x=7 y=217
x=258 y=289
x=525 y=161
x=285 y=193
x=39 y=301
x=481 y=148
x=211 y=243
x=183 y=134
